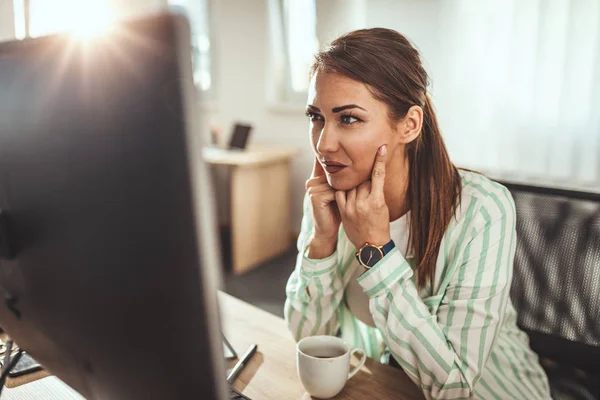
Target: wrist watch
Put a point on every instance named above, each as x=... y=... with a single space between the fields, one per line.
x=370 y=254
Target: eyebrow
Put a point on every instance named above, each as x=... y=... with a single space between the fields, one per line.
x=336 y=109
x=346 y=107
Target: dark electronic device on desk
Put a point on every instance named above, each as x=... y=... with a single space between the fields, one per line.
x=25 y=365
x=107 y=234
x=239 y=137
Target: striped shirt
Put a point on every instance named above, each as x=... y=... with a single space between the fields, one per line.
x=456 y=340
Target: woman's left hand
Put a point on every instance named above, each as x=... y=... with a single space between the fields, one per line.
x=365 y=215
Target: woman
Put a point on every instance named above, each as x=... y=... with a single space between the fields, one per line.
x=400 y=252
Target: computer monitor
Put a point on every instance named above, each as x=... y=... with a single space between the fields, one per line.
x=111 y=271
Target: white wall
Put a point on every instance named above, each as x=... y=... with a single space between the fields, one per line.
x=336 y=17
x=7 y=27
x=133 y=8
x=418 y=20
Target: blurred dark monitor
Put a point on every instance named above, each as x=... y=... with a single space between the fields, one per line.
x=109 y=263
x=239 y=136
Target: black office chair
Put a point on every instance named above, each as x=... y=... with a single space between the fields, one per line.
x=556 y=285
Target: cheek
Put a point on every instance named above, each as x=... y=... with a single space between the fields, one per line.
x=363 y=149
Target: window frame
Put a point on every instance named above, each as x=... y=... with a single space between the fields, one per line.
x=208 y=96
x=281 y=94
x=7 y=20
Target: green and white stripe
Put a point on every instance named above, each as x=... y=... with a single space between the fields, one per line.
x=458 y=340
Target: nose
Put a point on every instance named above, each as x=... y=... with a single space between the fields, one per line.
x=327 y=142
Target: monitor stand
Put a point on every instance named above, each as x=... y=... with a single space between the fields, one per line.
x=228 y=350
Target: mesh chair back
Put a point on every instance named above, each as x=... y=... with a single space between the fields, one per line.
x=556 y=284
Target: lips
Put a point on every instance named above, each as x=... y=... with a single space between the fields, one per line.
x=333 y=167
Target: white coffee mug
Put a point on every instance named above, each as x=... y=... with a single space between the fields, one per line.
x=323 y=363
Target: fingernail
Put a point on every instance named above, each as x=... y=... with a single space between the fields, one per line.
x=383 y=150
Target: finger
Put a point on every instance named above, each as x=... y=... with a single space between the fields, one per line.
x=317 y=181
x=316 y=189
x=317 y=169
x=340 y=199
x=351 y=197
x=326 y=197
x=363 y=191
x=323 y=197
x=378 y=175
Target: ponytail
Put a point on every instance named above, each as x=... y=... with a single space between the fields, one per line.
x=434 y=192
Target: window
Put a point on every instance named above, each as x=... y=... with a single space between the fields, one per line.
x=295 y=22
x=197 y=12
x=302 y=43
x=42 y=17
x=519 y=92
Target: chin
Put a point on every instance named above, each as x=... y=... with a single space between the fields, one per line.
x=342 y=183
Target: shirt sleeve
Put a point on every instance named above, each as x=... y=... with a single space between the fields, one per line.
x=314 y=290
x=444 y=351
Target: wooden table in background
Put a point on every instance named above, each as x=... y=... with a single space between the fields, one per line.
x=260 y=198
x=271 y=374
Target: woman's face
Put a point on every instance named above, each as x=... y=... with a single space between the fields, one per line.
x=347 y=126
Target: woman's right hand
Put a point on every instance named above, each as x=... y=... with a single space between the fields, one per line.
x=326 y=215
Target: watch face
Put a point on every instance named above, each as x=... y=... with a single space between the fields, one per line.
x=370 y=255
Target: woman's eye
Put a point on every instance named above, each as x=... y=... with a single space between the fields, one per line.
x=349 y=119
x=313 y=116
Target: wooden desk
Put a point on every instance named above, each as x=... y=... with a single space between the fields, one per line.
x=260 y=191
x=271 y=374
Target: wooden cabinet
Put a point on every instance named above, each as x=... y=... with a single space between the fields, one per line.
x=259 y=201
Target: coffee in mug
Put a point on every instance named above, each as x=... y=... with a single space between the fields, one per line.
x=323 y=363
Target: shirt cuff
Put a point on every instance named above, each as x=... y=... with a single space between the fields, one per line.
x=385 y=274
x=310 y=267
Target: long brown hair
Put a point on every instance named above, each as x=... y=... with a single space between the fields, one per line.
x=391 y=68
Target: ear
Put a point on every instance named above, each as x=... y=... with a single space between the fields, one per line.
x=409 y=127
